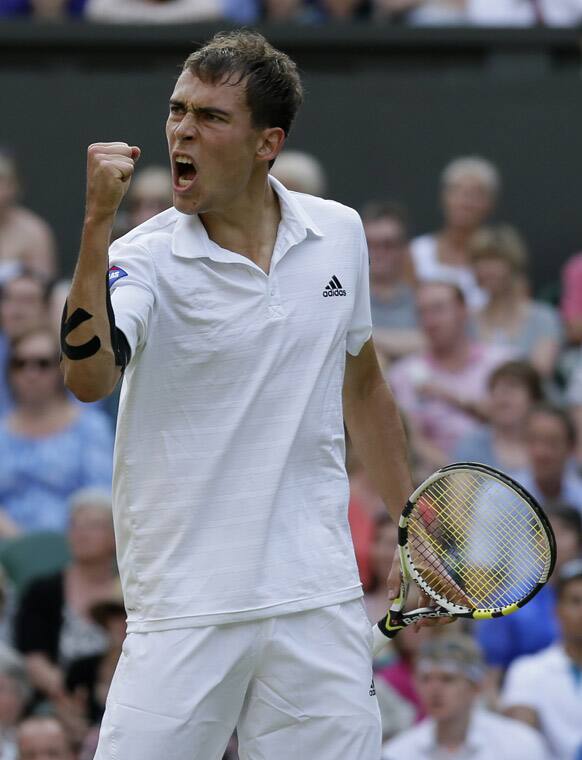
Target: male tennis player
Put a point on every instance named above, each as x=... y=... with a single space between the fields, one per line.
x=236 y=317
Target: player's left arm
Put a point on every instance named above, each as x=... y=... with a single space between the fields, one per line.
x=375 y=428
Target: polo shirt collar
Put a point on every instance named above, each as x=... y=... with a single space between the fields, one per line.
x=190 y=239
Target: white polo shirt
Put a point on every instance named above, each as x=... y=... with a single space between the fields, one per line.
x=489 y=737
x=550 y=684
x=230 y=491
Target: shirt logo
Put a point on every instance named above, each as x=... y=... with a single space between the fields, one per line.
x=334 y=288
x=372 y=691
x=114 y=274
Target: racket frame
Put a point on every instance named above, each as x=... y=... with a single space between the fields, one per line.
x=396 y=619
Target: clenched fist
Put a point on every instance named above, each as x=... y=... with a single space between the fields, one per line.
x=110 y=167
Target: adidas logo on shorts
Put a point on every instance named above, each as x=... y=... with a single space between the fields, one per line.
x=334 y=288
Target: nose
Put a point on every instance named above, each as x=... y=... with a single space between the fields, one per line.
x=186 y=129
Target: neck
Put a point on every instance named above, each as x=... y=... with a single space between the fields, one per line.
x=509 y=432
x=550 y=486
x=94 y=570
x=250 y=223
x=383 y=291
x=457 y=237
x=453 y=732
x=574 y=651
x=452 y=354
x=30 y=411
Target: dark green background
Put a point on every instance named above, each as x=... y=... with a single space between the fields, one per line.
x=386 y=108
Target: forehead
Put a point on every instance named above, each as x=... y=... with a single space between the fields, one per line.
x=39 y=342
x=223 y=93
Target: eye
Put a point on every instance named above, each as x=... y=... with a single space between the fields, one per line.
x=175 y=108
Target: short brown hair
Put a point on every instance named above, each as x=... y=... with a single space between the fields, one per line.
x=273 y=86
x=524 y=374
x=500 y=242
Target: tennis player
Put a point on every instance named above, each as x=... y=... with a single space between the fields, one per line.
x=236 y=318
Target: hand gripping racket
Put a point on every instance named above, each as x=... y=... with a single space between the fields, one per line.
x=475 y=541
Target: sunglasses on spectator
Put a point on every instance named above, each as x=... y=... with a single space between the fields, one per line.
x=36 y=362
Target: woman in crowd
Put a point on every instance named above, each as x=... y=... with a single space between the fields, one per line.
x=54 y=626
x=470 y=187
x=511 y=318
x=514 y=388
x=49 y=445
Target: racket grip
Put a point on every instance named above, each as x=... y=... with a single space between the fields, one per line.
x=379 y=641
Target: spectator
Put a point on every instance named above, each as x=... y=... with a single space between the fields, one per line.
x=543 y=690
x=449 y=675
x=422 y=11
x=152 y=12
x=382 y=547
x=53 y=623
x=510 y=318
x=91 y=676
x=14 y=696
x=24 y=236
x=24 y=299
x=399 y=672
x=514 y=388
x=551 y=442
x=44 y=737
x=571 y=299
x=300 y=172
x=470 y=187
x=394 y=317
x=315 y=10
x=49 y=445
x=519 y=13
x=365 y=506
x=506 y=639
x=441 y=389
x=149 y=194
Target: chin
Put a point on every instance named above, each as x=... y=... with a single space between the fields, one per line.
x=186 y=205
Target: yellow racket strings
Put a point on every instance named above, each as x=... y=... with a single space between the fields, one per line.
x=477 y=542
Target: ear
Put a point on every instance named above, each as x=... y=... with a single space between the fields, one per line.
x=270 y=143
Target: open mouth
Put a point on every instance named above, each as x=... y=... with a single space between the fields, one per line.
x=184 y=172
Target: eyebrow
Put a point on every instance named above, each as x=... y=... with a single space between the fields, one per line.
x=200 y=109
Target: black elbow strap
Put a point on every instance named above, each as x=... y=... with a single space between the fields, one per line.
x=119 y=343
x=68 y=324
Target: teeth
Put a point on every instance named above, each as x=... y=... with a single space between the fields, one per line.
x=184 y=160
x=184 y=182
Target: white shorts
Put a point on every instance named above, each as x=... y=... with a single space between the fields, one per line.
x=297 y=687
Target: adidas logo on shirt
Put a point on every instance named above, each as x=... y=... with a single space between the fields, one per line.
x=334 y=288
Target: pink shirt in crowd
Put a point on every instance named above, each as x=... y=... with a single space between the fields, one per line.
x=442 y=423
x=571 y=299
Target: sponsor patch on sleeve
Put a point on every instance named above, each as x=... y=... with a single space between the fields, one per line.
x=114 y=274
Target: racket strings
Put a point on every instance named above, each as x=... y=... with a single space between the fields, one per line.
x=476 y=542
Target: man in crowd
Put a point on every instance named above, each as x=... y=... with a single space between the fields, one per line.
x=24 y=301
x=545 y=690
x=551 y=444
x=449 y=674
x=43 y=738
x=394 y=315
x=24 y=237
x=441 y=389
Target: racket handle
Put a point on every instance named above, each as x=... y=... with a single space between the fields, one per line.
x=379 y=641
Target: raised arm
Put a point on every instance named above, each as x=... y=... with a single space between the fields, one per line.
x=94 y=352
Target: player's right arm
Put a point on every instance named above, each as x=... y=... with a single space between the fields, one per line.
x=92 y=349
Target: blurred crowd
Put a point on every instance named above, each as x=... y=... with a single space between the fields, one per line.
x=517 y=13
x=482 y=371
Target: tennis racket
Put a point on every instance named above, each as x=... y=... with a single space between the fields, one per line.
x=475 y=541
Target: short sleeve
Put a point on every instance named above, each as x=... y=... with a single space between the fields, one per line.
x=547 y=325
x=131 y=280
x=360 y=328
x=520 y=685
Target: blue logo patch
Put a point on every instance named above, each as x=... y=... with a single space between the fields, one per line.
x=114 y=274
